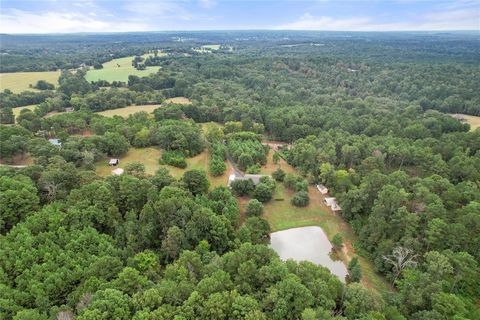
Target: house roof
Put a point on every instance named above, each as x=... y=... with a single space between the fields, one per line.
x=332 y=202
x=117 y=171
x=113 y=161
x=55 y=142
x=322 y=188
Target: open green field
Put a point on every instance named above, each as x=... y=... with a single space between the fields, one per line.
x=119 y=70
x=21 y=81
x=16 y=111
x=207 y=48
x=125 y=112
x=148 y=156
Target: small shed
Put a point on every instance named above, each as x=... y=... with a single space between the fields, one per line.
x=254 y=177
x=117 y=171
x=323 y=190
x=332 y=203
x=55 y=142
x=113 y=162
x=68 y=109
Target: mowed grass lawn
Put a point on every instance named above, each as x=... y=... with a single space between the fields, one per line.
x=473 y=121
x=148 y=156
x=21 y=81
x=119 y=70
x=178 y=100
x=125 y=112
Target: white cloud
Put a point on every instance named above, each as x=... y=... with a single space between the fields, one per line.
x=207 y=3
x=18 y=21
x=459 y=19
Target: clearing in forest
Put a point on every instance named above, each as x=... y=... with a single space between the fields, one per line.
x=21 y=81
x=473 y=121
x=17 y=110
x=119 y=70
x=178 y=100
x=282 y=215
x=125 y=112
x=148 y=156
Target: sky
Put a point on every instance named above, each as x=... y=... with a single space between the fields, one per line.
x=65 y=16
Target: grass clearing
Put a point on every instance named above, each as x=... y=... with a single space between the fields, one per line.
x=21 y=81
x=21 y=160
x=178 y=100
x=17 y=110
x=148 y=156
x=125 y=112
x=473 y=121
x=119 y=70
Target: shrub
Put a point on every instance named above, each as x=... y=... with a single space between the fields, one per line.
x=278 y=175
x=300 y=199
x=242 y=187
x=254 y=208
x=253 y=169
x=174 y=158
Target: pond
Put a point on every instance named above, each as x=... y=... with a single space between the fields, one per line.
x=307 y=243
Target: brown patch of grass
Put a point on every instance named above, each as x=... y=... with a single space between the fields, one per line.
x=125 y=112
x=178 y=100
x=19 y=160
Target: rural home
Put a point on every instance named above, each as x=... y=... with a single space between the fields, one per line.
x=117 y=171
x=55 y=142
x=332 y=203
x=113 y=162
x=323 y=190
x=254 y=177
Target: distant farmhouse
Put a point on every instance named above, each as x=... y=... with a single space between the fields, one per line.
x=254 y=177
x=323 y=190
x=113 y=162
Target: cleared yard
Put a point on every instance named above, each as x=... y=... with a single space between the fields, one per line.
x=200 y=162
x=21 y=81
x=125 y=112
x=148 y=156
x=178 y=100
x=119 y=70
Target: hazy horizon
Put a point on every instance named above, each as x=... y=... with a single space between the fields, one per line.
x=103 y=16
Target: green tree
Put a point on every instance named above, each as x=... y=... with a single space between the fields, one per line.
x=254 y=208
x=196 y=181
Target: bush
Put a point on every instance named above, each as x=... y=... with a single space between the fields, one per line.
x=354 y=271
x=174 y=158
x=278 y=175
x=290 y=180
x=196 y=181
x=217 y=166
x=254 y=169
x=300 y=199
x=264 y=190
x=242 y=187
x=254 y=208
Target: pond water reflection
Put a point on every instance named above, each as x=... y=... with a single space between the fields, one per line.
x=307 y=243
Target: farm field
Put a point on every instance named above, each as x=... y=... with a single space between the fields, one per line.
x=125 y=112
x=21 y=81
x=119 y=70
x=148 y=156
x=16 y=111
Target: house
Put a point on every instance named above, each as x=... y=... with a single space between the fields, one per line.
x=254 y=177
x=55 y=142
x=332 y=203
x=113 y=162
x=68 y=109
x=117 y=171
x=323 y=190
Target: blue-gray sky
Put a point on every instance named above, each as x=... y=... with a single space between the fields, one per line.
x=51 y=16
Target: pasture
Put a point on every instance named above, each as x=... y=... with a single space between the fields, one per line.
x=21 y=81
x=119 y=70
x=125 y=112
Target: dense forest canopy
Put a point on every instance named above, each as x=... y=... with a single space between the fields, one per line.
x=362 y=113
